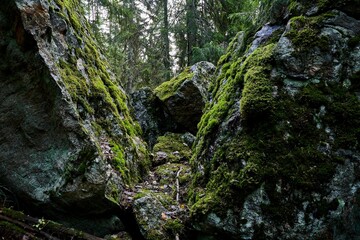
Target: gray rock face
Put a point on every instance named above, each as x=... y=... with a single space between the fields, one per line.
x=262 y=36
x=185 y=96
x=325 y=60
x=59 y=112
x=149 y=112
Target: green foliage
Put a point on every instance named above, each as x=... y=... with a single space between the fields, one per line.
x=299 y=7
x=13 y=214
x=210 y=52
x=120 y=162
x=174 y=226
x=250 y=15
x=165 y=199
x=8 y=229
x=133 y=45
x=167 y=173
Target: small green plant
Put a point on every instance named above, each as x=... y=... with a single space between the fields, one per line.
x=41 y=224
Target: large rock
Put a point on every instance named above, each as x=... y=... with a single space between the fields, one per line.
x=277 y=151
x=185 y=96
x=68 y=145
x=149 y=112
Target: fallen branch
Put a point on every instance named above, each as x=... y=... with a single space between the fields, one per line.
x=178 y=185
x=27 y=228
x=178 y=195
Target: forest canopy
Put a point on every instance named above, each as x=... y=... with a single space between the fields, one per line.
x=149 y=41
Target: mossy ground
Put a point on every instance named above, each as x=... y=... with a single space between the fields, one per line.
x=96 y=94
x=11 y=231
x=174 y=147
x=17 y=225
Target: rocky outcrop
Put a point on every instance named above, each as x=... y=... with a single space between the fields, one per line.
x=68 y=143
x=277 y=151
x=149 y=112
x=185 y=96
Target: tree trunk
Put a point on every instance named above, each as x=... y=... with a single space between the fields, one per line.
x=166 y=40
x=191 y=28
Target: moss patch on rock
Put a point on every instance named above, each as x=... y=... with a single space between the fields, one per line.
x=174 y=146
x=167 y=89
x=305 y=32
x=257 y=97
x=90 y=83
x=255 y=132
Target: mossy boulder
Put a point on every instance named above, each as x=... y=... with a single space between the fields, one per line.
x=277 y=150
x=185 y=95
x=154 y=215
x=311 y=8
x=68 y=142
x=150 y=112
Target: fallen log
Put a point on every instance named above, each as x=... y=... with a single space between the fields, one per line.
x=35 y=228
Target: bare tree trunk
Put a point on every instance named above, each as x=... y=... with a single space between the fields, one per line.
x=191 y=26
x=166 y=41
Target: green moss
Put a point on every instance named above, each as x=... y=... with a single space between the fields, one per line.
x=252 y=76
x=95 y=94
x=163 y=198
x=173 y=146
x=119 y=162
x=141 y=194
x=173 y=226
x=257 y=93
x=281 y=137
x=305 y=32
x=99 y=86
x=257 y=96
x=13 y=214
x=285 y=146
x=204 y=203
x=11 y=228
x=167 y=89
x=167 y=173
